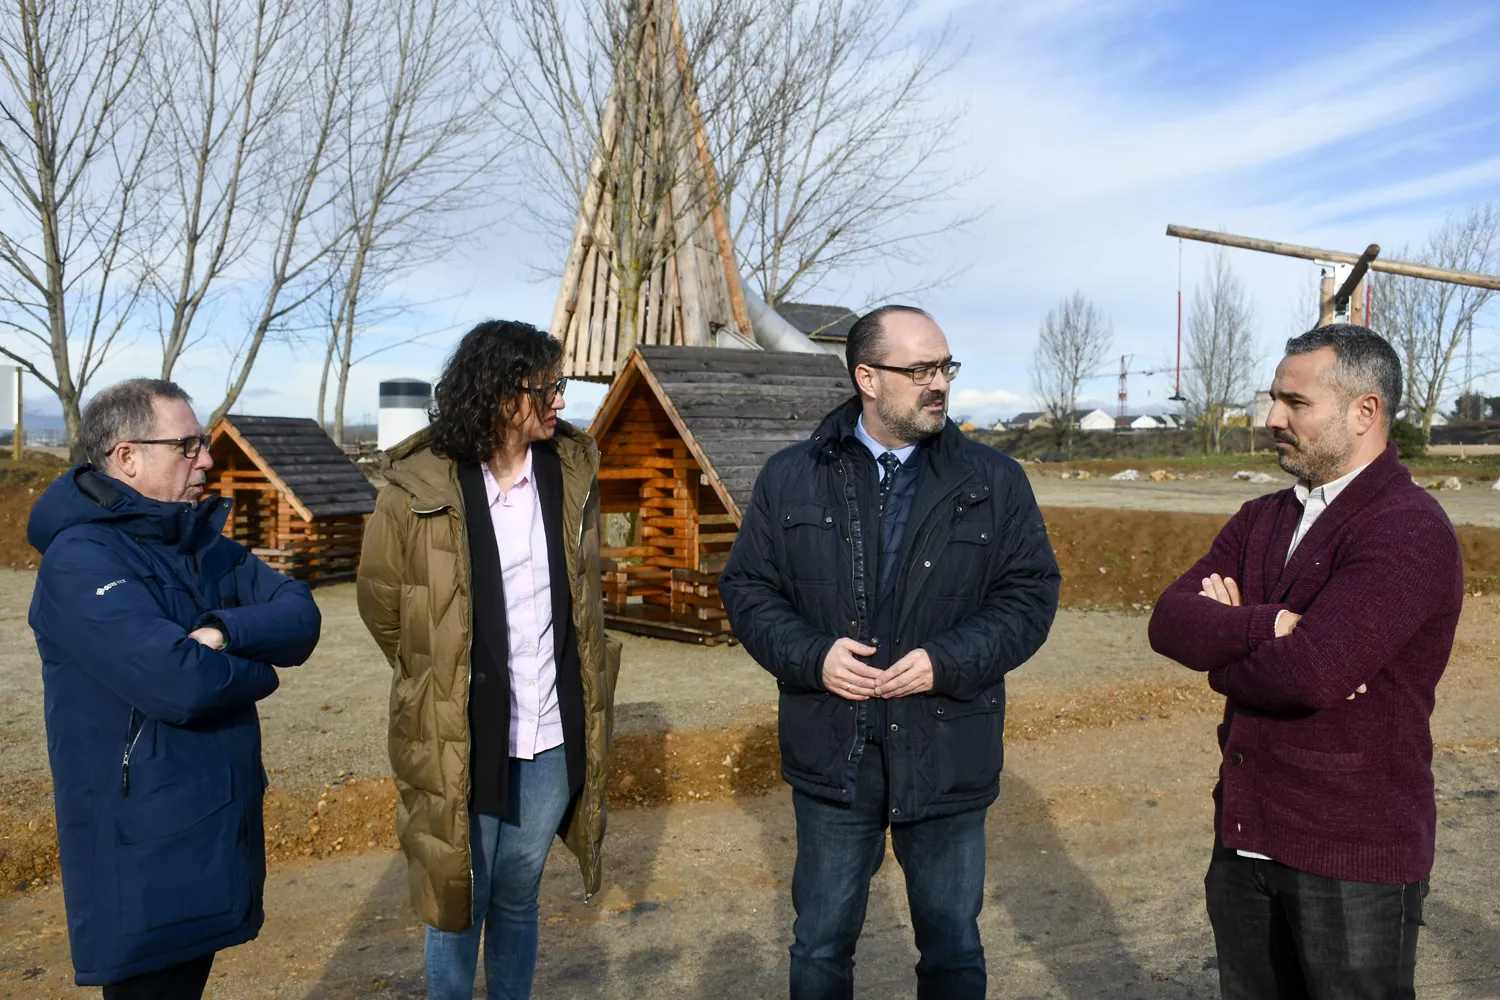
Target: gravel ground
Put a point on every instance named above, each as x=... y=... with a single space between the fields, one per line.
x=329 y=714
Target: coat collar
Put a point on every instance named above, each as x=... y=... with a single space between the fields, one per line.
x=432 y=480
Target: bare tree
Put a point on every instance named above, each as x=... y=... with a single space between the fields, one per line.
x=1431 y=322
x=1074 y=340
x=304 y=227
x=1221 y=350
x=75 y=140
x=850 y=164
x=419 y=140
x=227 y=76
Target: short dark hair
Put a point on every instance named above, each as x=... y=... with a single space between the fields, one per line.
x=482 y=383
x=121 y=412
x=1366 y=362
x=865 y=344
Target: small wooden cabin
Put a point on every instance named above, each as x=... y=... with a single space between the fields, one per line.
x=299 y=502
x=684 y=431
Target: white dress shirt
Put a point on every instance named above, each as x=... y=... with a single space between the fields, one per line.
x=521 y=538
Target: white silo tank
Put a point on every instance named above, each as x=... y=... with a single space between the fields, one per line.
x=403 y=410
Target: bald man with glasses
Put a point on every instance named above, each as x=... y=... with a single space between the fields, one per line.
x=889 y=573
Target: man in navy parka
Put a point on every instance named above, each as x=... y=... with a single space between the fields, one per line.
x=157 y=636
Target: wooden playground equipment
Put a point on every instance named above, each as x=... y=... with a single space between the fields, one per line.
x=1343 y=294
x=299 y=502
x=693 y=292
x=684 y=431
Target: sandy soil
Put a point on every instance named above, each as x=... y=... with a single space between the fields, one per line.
x=1097 y=845
x=1097 y=848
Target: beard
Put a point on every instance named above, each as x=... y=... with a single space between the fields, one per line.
x=1319 y=458
x=916 y=422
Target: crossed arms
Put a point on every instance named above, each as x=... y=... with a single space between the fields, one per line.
x=1382 y=590
x=126 y=641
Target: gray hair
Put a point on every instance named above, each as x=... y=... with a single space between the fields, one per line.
x=124 y=411
x=1366 y=362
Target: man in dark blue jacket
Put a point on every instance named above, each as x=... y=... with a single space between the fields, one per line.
x=157 y=635
x=889 y=573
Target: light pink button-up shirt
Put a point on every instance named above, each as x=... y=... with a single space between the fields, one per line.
x=521 y=537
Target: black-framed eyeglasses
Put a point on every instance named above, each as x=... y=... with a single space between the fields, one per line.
x=547 y=393
x=924 y=374
x=190 y=446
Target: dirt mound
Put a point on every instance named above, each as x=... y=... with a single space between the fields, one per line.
x=20 y=484
x=1126 y=558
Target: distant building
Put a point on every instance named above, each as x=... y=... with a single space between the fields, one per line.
x=1170 y=421
x=1031 y=420
x=1144 y=422
x=1235 y=415
x=1093 y=420
x=1262 y=407
x=1413 y=416
x=826 y=326
x=999 y=425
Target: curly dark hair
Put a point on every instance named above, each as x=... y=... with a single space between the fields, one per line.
x=482 y=383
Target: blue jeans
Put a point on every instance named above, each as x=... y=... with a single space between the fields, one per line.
x=840 y=848
x=508 y=858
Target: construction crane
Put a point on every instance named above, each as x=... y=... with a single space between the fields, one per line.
x=1124 y=392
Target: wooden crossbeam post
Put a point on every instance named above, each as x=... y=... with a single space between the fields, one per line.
x=1424 y=271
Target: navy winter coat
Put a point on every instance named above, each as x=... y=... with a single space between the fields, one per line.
x=977 y=591
x=153 y=737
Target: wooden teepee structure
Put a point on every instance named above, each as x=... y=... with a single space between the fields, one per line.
x=652 y=261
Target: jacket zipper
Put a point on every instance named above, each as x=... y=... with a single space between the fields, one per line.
x=132 y=737
x=853 y=591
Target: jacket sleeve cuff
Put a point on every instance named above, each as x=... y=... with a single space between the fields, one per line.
x=813 y=673
x=1263 y=623
x=941 y=669
x=211 y=620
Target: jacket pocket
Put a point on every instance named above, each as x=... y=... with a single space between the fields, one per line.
x=963 y=567
x=1317 y=760
x=181 y=854
x=811 y=737
x=967 y=740
x=810 y=543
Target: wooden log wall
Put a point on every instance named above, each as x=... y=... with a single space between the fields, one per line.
x=681 y=533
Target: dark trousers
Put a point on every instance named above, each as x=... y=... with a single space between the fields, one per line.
x=840 y=848
x=177 y=982
x=1289 y=935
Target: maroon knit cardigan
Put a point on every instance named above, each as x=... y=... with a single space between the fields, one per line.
x=1334 y=787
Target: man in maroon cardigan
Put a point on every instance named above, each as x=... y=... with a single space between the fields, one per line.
x=1325 y=614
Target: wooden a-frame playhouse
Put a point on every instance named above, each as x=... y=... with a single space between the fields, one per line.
x=684 y=432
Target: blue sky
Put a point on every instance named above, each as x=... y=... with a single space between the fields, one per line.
x=1091 y=125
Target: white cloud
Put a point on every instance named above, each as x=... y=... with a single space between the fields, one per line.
x=986 y=405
